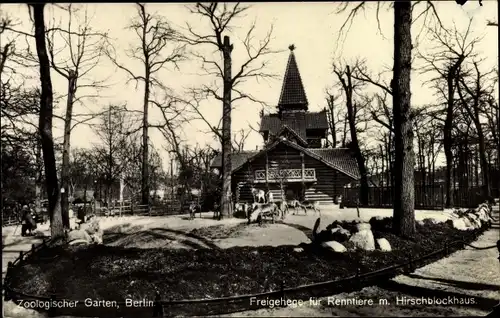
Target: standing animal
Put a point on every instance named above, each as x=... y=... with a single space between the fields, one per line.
x=270 y=198
x=295 y=204
x=259 y=196
x=282 y=207
x=313 y=205
x=193 y=208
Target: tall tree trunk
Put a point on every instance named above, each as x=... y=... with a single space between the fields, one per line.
x=333 y=129
x=447 y=141
x=45 y=123
x=354 y=140
x=226 y=208
x=145 y=139
x=404 y=201
x=66 y=149
x=39 y=175
x=344 y=134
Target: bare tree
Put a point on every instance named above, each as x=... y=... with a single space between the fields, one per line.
x=474 y=92
x=335 y=118
x=404 y=205
x=84 y=48
x=345 y=78
x=45 y=122
x=239 y=140
x=452 y=49
x=116 y=152
x=154 y=34
x=220 y=18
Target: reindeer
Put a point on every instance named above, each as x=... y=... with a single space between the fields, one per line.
x=295 y=204
x=264 y=209
x=259 y=196
x=282 y=207
x=313 y=205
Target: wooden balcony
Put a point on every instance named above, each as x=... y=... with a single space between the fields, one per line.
x=286 y=175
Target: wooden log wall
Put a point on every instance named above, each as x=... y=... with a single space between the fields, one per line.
x=330 y=182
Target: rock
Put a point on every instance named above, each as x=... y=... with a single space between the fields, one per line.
x=363 y=240
x=384 y=245
x=420 y=222
x=483 y=214
x=432 y=221
x=38 y=233
x=97 y=237
x=474 y=220
x=340 y=235
x=335 y=246
x=363 y=227
x=467 y=222
x=79 y=235
x=298 y=249
x=458 y=224
x=91 y=227
x=379 y=223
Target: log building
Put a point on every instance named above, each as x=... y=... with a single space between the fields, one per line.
x=294 y=162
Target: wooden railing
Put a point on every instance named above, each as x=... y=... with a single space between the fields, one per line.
x=288 y=175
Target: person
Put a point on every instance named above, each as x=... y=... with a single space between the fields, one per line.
x=27 y=222
x=81 y=214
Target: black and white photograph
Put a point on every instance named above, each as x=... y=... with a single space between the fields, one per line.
x=253 y=159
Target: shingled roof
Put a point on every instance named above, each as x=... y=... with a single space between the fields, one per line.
x=237 y=159
x=292 y=91
x=274 y=123
x=340 y=159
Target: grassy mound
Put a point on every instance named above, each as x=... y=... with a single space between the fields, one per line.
x=111 y=273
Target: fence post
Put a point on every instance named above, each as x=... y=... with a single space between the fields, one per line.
x=21 y=256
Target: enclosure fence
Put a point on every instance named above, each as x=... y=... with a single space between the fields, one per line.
x=429 y=197
x=162 y=307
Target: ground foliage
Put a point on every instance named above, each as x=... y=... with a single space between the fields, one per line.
x=114 y=273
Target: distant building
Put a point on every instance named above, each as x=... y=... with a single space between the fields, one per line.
x=293 y=154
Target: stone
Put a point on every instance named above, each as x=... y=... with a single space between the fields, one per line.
x=334 y=246
x=420 y=222
x=379 y=223
x=97 y=237
x=432 y=221
x=363 y=227
x=384 y=245
x=363 y=240
x=79 y=235
x=459 y=224
x=298 y=249
x=340 y=235
x=91 y=227
x=467 y=222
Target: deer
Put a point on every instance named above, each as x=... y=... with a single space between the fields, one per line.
x=258 y=195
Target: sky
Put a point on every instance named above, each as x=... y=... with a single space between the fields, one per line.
x=312 y=27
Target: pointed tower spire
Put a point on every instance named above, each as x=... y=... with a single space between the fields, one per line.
x=293 y=95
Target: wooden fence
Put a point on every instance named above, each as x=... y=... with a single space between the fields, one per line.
x=150 y=210
x=426 y=197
